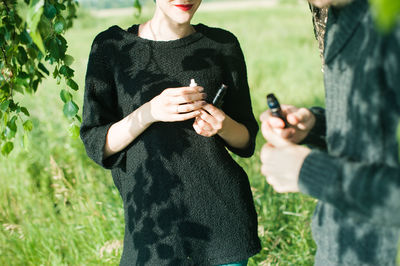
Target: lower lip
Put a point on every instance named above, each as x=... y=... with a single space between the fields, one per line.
x=184 y=7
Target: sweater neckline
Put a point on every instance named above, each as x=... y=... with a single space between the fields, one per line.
x=132 y=32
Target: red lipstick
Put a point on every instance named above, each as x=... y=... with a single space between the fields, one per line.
x=184 y=7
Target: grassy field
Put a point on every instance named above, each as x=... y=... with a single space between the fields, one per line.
x=59 y=208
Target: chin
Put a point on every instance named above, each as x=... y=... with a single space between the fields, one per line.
x=182 y=19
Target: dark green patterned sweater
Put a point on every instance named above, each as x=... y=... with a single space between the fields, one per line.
x=357 y=180
x=186 y=201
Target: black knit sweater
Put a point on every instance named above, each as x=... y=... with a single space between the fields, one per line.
x=357 y=180
x=186 y=201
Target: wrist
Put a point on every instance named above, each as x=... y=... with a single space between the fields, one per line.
x=141 y=117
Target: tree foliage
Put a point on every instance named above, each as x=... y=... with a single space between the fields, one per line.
x=387 y=13
x=31 y=41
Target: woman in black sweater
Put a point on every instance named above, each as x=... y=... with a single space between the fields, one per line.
x=186 y=201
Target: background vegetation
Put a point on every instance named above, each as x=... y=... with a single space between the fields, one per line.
x=59 y=208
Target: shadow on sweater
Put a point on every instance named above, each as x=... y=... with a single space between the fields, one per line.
x=158 y=215
x=362 y=131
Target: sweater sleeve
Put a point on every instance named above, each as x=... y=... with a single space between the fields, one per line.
x=237 y=102
x=316 y=138
x=100 y=108
x=371 y=191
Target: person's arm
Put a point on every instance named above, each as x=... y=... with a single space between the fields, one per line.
x=173 y=104
x=358 y=188
x=234 y=123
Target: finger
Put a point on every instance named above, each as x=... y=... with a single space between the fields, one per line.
x=211 y=120
x=302 y=115
x=184 y=116
x=287 y=133
x=182 y=91
x=272 y=137
x=214 y=111
x=200 y=130
x=204 y=125
x=187 y=98
x=265 y=115
x=185 y=108
x=276 y=122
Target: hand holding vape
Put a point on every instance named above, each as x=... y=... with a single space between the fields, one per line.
x=275 y=107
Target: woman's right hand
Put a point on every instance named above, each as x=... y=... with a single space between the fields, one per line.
x=177 y=104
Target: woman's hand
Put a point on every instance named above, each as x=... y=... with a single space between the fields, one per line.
x=211 y=121
x=177 y=104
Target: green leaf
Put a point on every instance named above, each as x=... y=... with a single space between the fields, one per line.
x=9 y=132
x=50 y=11
x=28 y=125
x=22 y=55
x=65 y=96
x=68 y=60
x=79 y=118
x=59 y=27
x=11 y=124
x=34 y=13
x=66 y=71
x=25 y=111
x=25 y=37
x=72 y=84
x=33 y=17
x=7 y=148
x=26 y=141
x=43 y=68
x=54 y=49
x=70 y=109
x=73 y=131
x=37 y=39
x=4 y=105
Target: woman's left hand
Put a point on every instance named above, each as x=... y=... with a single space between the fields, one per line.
x=211 y=121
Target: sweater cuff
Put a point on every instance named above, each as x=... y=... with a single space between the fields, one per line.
x=316 y=137
x=319 y=175
x=95 y=147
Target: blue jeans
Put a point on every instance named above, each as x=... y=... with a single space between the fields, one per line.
x=240 y=263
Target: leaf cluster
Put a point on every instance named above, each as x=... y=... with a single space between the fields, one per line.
x=32 y=42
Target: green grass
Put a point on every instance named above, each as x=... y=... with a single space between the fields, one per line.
x=59 y=208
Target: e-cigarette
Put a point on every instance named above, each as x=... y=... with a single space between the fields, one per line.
x=275 y=107
x=219 y=97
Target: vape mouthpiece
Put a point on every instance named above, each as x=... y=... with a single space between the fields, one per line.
x=192 y=83
x=273 y=102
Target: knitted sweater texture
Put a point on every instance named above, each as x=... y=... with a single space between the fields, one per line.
x=357 y=179
x=186 y=201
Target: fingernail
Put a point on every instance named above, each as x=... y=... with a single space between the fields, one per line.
x=200 y=89
x=204 y=95
x=203 y=103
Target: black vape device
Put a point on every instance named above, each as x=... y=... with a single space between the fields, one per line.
x=275 y=107
x=219 y=97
